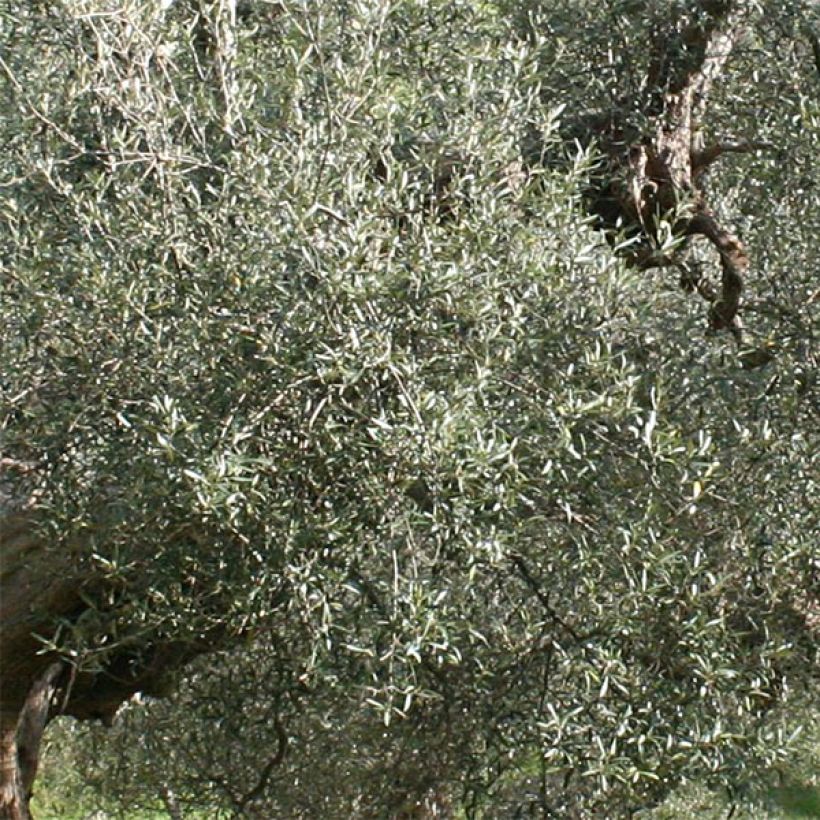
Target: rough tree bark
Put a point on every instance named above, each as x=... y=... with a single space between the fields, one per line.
x=655 y=172
x=39 y=586
x=31 y=583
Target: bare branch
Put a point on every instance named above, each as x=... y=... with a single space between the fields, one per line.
x=703 y=158
x=276 y=760
x=734 y=263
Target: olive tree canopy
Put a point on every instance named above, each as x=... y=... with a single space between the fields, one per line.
x=348 y=340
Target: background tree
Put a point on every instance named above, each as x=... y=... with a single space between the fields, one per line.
x=370 y=398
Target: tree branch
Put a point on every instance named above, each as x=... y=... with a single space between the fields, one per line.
x=276 y=760
x=535 y=587
x=814 y=42
x=734 y=264
x=702 y=159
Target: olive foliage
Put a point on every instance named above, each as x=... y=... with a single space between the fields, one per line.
x=480 y=518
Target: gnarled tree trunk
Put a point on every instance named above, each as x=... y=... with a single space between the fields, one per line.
x=654 y=173
x=30 y=584
x=20 y=743
x=40 y=585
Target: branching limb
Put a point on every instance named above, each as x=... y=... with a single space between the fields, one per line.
x=524 y=572
x=702 y=159
x=36 y=112
x=692 y=279
x=734 y=264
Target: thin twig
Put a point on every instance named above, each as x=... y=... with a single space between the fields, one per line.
x=36 y=111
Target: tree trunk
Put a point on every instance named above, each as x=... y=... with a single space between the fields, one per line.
x=42 y=584
x=32 y=582
x=20 y=752
x=13 y=804
x=654 y=175
x=36 y=585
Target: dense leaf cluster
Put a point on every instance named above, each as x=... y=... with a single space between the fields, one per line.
x=496 y=526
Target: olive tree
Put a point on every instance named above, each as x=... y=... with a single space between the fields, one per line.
x=330 y=344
